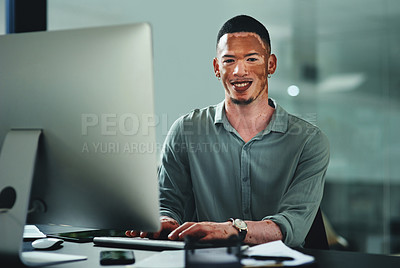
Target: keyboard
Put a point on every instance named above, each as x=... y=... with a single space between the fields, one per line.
x=137 y=242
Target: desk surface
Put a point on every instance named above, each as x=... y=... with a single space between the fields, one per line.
x=324 y=258
x=345 y=259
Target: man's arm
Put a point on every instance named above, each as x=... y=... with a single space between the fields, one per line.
x=175 y=184
x=262 y=231
x=302 y=199
x=258 y=231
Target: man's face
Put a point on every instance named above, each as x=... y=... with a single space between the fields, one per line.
x=243 y=62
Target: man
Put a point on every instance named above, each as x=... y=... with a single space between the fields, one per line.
x=245 y=166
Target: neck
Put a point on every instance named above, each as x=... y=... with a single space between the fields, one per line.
x=250 y=119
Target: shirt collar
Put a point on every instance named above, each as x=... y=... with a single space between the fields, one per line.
x=219 y=112
x=279 y=120
x=278 y=123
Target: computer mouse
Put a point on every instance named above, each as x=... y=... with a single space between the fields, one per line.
x=47 y=243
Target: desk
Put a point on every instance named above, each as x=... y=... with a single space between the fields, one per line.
x=324 y=258
x=344 y=259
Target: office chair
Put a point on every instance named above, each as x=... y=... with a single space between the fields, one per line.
x=316 y=237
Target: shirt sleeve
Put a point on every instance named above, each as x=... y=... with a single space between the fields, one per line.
x=176 y=196
x=301 y=201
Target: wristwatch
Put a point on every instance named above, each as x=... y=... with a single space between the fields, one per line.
x=241 y=226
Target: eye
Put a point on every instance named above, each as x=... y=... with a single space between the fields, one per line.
x=252 y=59
x=228 y=61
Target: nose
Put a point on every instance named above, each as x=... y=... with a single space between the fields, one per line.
x=240 y=69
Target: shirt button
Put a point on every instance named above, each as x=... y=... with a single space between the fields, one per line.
x=245 y=179
x=246 y=211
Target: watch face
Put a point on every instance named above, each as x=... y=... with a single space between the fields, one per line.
x=240 y=224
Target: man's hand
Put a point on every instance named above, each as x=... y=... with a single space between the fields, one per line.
x=204 y=231
x=167 y=226
x=258 y=231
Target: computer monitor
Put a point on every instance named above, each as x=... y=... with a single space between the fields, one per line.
x=85 y=99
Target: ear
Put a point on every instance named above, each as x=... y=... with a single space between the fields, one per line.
x=272 y=61
x=216 y=68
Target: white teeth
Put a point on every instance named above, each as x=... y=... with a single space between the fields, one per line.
x=241 y=84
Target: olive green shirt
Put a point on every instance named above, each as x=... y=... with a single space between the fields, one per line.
x=208 y=173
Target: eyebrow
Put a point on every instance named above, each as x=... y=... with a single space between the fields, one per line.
x=247 y=55
x=251 y=54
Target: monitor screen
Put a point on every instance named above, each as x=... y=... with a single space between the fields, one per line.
x=90 y=93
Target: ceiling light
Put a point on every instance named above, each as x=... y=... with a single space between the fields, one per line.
x=342 y=82
x=293 y=90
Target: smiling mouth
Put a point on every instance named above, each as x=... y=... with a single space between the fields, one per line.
x=241 y=85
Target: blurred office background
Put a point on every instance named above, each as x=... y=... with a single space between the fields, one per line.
x=338 y=67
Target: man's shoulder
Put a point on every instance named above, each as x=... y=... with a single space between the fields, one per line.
x=305 y=129
x=197 y=122
x=305 y=122
x=294 y=123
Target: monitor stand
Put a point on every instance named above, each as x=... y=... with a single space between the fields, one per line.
x=17 y=165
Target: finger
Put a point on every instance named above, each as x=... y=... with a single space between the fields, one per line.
x=206 y=232
x=174 y=235
x=195 y=231
x=131 y=233
x=143 y=234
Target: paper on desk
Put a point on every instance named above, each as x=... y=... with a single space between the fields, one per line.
x=276 y=249
x=164 y=259
x=31 y=231
x=176 y=258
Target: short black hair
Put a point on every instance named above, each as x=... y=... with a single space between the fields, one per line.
x=244 y=23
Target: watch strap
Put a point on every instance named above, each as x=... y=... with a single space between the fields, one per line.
x=242 y=232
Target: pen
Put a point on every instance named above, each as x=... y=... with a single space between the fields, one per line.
x=268 y=258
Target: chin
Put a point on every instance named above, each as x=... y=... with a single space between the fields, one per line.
x=242 y=101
